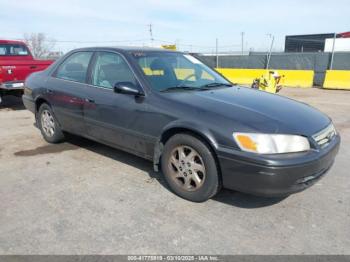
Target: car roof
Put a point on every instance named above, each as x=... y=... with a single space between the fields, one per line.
x=3 y=41
x=125 y=49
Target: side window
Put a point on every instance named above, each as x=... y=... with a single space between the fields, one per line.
x=109 y=69
x=75 y=67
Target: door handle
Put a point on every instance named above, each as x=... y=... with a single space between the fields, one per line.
x=88 y=100
x=33 y=67
x=49 y=91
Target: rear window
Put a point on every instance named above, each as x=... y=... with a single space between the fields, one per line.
x=75 y=67
x=13 y=50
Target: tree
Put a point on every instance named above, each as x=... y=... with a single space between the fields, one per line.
x=39 y=44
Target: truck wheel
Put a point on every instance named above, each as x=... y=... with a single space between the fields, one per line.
x=48 y=125
x=190 y=168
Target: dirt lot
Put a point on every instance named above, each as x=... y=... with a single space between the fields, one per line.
x=83 y=197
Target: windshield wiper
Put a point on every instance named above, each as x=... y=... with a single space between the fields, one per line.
x=174 y=88
x=201 y=88
x=216 y=84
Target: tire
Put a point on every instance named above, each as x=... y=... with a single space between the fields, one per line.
x=190 y=168
x=48 y=125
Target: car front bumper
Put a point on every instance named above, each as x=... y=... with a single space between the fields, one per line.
x=277 y=175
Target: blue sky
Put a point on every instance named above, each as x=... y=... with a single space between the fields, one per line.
x=193 y=24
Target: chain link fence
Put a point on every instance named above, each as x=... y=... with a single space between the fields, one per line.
x=318 y=62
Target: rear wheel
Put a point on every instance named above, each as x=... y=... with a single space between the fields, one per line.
x=190 y=168
x=48 y=125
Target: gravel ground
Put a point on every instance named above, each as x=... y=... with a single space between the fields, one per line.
x=81 y=197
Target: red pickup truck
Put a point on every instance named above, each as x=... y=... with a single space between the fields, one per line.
x=16 y=63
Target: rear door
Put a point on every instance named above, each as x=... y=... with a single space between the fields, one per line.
x=66 y=90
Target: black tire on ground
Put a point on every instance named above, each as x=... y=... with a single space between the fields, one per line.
x=56 y=135
x=177 y=175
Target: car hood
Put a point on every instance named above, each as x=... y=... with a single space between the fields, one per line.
x=249 y=110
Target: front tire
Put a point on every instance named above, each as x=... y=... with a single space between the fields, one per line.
x=190 y=168
x=48 y=125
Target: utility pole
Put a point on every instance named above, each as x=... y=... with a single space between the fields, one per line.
x=177 y=44
x=217 y=53
x=333 y=48
x=151 y=34
x=242 y=36
x=270 y=52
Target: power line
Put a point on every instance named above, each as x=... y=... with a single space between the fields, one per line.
x=132 y=40
x=201 y=46
x=187 y=45
x=87 y=42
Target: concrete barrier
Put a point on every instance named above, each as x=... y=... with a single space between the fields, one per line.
x=298 y=78
x=241 y=76
x=337 y=79
x=292 y=78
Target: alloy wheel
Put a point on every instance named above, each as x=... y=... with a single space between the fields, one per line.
x=47 y=123
x=187 y=168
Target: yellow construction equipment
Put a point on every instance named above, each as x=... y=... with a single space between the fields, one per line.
x=170 y=47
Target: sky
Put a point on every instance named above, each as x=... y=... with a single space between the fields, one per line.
x=194 y=25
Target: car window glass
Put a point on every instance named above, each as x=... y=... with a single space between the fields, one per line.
x=182 y=68
x=109 y=69
x=13 y=50
x=164 y=70
x=75 y=67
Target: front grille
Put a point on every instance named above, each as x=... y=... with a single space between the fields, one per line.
x=325 y=136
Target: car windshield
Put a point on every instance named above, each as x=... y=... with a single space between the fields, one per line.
x=13 y=50
x=172 y=71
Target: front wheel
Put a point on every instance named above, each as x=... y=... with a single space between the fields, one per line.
x=190 y=168
x=48 y=125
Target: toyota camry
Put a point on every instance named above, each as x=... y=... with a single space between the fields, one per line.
x=200 y=130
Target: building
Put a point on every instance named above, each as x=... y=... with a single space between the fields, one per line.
x=306 y=43
x=340 y=45
x=54 y=55
x=314 y=43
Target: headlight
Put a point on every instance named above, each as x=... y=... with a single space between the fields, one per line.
x=271 y=143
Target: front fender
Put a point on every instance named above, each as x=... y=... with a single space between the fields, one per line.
x=181 y=126
x=192 y=127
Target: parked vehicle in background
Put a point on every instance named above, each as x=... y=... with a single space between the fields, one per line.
x=168 y=107
x=16 y=63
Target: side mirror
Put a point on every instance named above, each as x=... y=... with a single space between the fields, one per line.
x=127 y=88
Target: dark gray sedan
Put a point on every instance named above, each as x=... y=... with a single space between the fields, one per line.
x=200 y=129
